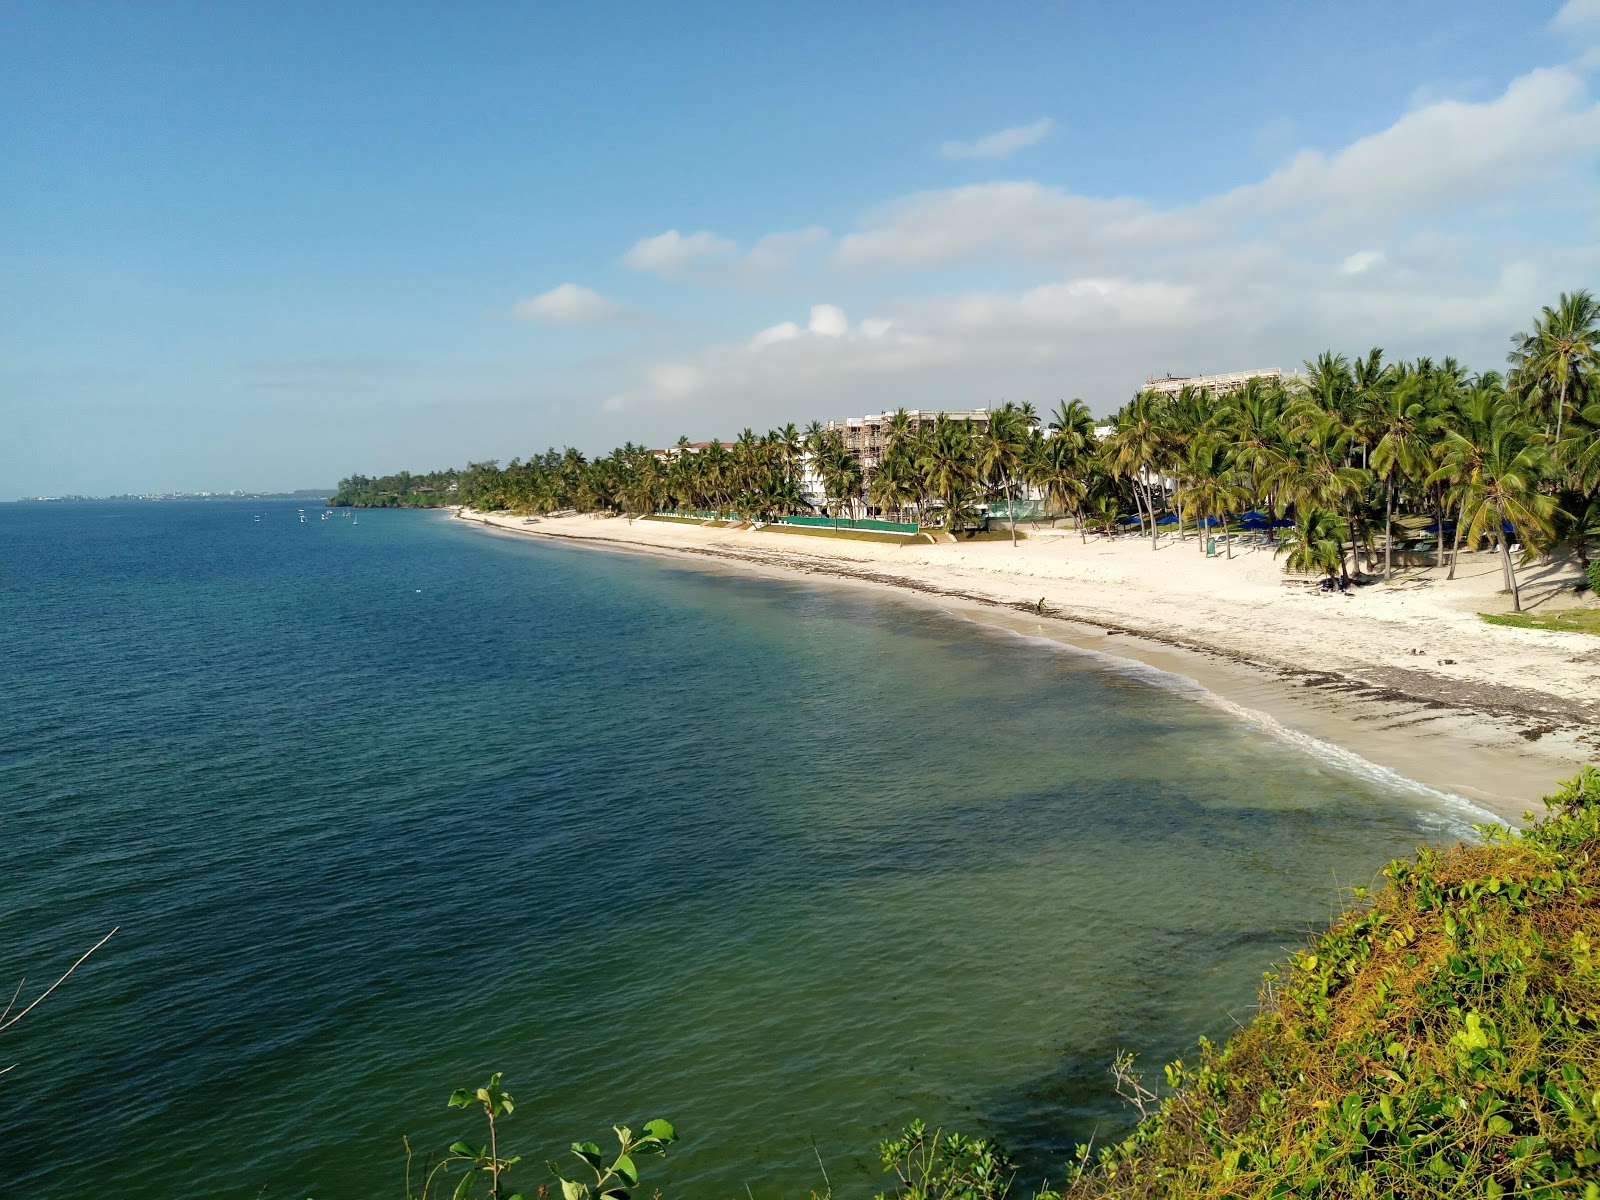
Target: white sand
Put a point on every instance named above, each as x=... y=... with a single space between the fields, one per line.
x=1515 y=709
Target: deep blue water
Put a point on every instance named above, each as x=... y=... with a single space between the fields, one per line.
x=382 y=807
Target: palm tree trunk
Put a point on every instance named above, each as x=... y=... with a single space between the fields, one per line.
x=1012 y=510
x=1455 y=550
x=1150 y=499
x=1511 y=569
x=1561 y=406
x=1388 y=532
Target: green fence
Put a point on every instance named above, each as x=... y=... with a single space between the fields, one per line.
x=847 y=523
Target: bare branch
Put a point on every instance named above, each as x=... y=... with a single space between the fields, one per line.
x=55 y=985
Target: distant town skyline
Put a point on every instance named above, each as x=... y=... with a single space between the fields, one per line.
x=256 y=245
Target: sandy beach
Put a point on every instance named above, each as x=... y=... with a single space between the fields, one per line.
x=1401 y=677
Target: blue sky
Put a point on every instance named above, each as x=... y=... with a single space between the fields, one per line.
x=265 y=245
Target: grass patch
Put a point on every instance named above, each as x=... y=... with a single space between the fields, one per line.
x=1568 y=620
x=991 y=535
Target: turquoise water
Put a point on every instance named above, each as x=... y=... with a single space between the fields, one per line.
x=381 y=808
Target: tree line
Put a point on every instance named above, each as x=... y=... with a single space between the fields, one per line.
x=1345 y=451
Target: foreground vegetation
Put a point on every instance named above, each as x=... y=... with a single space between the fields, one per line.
x=1349 y=450
x=1442 y=1039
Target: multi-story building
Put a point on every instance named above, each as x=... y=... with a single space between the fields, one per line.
x=1217 y=385
x=866 y=438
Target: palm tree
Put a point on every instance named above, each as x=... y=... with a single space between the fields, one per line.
x=894 y=483
x=1000 y=449
x=1315 y=545
x=1209 y=486
x=947 y=461
x=1399 y=419
x=1562 y=349
x=841 y=475
x=1137 y=448
x=1512 y=463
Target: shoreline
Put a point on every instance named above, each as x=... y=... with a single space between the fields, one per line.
x=1484 y=747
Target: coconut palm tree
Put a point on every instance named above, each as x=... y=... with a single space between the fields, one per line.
x=1315 y=545
x=841 y=475
x=1503 y=491
x=999 y=450
x=894 y=483
x=1398 y=419
x=1562 y=350
x=1137 y=449
x=947 y=460
x=1210 y=487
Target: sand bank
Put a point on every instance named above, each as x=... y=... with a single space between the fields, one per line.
x=1400 y=677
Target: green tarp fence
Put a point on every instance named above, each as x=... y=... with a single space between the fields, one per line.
x=847 y=523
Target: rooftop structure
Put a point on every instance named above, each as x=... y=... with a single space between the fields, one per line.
x=672 y=452
x=1217 y=385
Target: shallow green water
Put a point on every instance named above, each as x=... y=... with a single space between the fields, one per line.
x=776 y=860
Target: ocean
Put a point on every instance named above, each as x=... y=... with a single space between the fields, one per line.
x=383 y=805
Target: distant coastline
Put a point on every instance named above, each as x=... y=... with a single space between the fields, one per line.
x=1489 y=714
x=302 y=494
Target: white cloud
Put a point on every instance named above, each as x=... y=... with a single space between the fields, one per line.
x=1001 y=144
x=1578 y=17
x=1449 y=155
x=1444 y=155
x=568 y=304
x=773 y=334
x=1454 y=224
x=1021 y=221
x=1361 y=261
x=828 y=320
x=670 y=252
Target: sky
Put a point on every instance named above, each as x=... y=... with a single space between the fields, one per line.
x=268 y=245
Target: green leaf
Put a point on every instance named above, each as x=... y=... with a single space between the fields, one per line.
x=661 y=1130
x=589 y=1152
x=571 y=1189
x=464 y=1188
x=460 y=1147
x=460 y=1098
x=1499 y=1126
x=624 y=1167
x=615 y=1193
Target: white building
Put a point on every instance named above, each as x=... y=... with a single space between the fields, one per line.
x=1217 y=385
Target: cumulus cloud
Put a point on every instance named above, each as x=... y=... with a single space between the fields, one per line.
x=670 y=252
x=1437 y=235
x=1447 y=155
x=1578 y=17
x=567 y=304
x=1002 y=143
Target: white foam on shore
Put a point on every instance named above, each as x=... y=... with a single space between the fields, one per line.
x=1453 y=814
